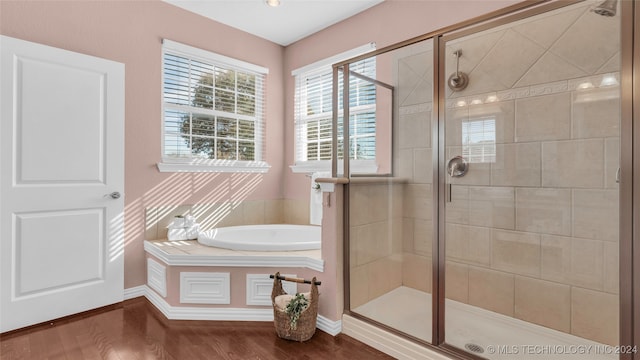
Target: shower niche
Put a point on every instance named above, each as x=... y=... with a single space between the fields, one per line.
x=499 y=224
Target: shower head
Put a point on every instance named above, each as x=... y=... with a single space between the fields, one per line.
x=607 y=8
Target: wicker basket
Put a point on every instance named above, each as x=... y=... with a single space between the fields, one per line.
x=306 y=325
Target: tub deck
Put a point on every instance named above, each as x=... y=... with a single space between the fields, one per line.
x=192 y=253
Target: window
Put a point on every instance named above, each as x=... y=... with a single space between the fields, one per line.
x=213 y=111
x=313 y=114
x=479 y=140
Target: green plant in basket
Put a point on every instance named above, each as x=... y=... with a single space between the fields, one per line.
x=295 y=308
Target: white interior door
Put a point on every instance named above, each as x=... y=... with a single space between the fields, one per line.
x=62 y=154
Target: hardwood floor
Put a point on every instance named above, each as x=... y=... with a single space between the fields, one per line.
x=136 y=330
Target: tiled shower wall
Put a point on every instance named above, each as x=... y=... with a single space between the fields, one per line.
x=533 y=233
x=375 y=264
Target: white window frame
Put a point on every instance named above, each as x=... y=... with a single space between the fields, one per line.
x=320 y=67
x=173 y=164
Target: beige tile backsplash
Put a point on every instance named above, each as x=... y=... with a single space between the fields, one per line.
x=230 y=213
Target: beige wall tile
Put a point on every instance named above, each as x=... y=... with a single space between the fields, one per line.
x=502 y=112
x=611 y=267
x=417 y=272
x=397 y=200
x=572 y=261
x=296 y=211
x=457 y=281
x=596 y=113
x=415 y=75
x=517 y=165
x=595 y=214
x=454 y=119
x=359 y=285
x=543 y=211
x=164 y=217
x=457 y=210
x=546 y=28
x=491 y=290
x=395 y=235
x=227 y=214
x=543 y=118
x=379 y=203
x=354 y=242
x=515 y=252
x=594 y=315
x=468 y=244
x=254 y=212
x=414 y=130
x=407 y=235
x=475 y=49
x=417 y=202
x=510 y=59
x=577 y=44
x=422 y=166
x=544 y=303
x=423 y=235
x=360 y=211
x=373 y=242
x=550 y=68
x=576 y=163
x=492 y=207
x=611 y=162
x=403 y=163
x=386 y=275
x=274 y=211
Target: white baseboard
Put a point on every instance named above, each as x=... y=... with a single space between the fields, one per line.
x=134 y=292
x=331 y=327
x=221 y=314
x=387 y=342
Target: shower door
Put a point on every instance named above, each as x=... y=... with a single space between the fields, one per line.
x=531 y=116
x=390 y=214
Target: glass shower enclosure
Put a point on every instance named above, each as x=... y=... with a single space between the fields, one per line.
x=491 y=227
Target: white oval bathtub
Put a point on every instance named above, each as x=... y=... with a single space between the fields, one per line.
x=276 y=237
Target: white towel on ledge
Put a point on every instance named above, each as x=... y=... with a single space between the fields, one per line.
x=183 y=233
x=315 y=199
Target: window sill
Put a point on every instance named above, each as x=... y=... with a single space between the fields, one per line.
x=227 y=166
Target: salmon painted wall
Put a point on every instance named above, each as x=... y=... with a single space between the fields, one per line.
x=385 y=24
x=130 y=32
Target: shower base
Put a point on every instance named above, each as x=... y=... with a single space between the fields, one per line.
x=491 y=335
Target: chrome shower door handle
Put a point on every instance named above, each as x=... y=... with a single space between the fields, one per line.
x=114 y=195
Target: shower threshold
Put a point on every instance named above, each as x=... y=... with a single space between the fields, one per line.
x=482 y=332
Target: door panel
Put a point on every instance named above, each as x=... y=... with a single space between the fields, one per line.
x=70 y=93
x=61 y=236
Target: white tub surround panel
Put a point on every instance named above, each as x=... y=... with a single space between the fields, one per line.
x=157 y=277
x=205 y=288
x=259 y=288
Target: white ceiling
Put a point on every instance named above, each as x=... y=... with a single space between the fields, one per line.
x=285 y=24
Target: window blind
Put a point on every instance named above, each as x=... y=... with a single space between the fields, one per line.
x=213 y=106
x=313 y=113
